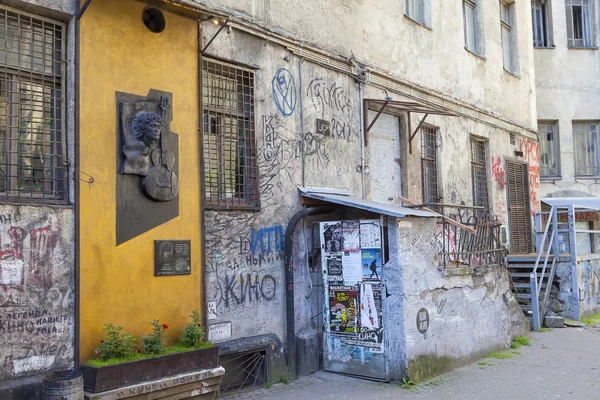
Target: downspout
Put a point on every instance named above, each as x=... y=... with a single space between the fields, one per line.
x=361 y=124
x=289 y=283
x=77 y=319
x=302 y=138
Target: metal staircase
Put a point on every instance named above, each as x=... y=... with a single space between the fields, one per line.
x=532 y=275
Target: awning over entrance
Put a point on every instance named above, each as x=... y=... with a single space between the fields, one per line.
x=399 y=106
x=338 y=197
x=588 y=203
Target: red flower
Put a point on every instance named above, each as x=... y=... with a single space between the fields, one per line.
x=165 y=326
x=199 y=324
x=139 y=351
x=102 y=341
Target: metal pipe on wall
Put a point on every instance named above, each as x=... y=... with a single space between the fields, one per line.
x=302 y=144
x=362 y=136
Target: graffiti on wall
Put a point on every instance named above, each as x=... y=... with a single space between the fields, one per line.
x=284 y=91
x=36 y=296
x=530 y=151
x=498 y=172
x=330 y=100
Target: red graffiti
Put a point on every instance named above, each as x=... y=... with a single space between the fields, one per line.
x=498 y=172
x=41 y=248
x=530 y=151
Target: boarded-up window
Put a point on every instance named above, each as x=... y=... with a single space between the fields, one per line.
x=230 y=170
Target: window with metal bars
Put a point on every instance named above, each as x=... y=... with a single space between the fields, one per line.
x=429 y=164
x=32 y=141
x=479 y=173
x=230 y=171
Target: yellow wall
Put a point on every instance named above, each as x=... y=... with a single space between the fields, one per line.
x=118 y=53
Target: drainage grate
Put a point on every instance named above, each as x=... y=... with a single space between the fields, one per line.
x=244 y=370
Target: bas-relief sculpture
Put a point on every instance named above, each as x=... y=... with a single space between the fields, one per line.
x=145 y=131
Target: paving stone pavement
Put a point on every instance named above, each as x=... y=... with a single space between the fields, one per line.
x=560 y=364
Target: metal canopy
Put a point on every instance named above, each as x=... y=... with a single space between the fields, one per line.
x=400 y=106
x=588 y=203
x=367 y=205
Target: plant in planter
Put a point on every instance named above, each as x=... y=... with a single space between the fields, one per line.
x=120 y=364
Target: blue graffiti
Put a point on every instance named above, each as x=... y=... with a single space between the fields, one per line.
x=284 y=91
x=266 y=240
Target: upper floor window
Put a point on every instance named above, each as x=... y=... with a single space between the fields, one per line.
x=429 y=164
x=473 y=36
x=230 y=170
x=549 y=156
x=479 y=172
x=579 y=23
x=540 y=16
x=32 y=140
x=509 y=36
x=419 y=11
x=586 y=146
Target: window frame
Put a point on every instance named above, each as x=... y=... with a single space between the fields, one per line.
x=570 y=28
x=422 y=15
x=480 y=165
x=596 y=145
x=555 y=132
x=546 y=18
x=225 y=198
x=510 y=47
x=474 y=26
x=49 y=82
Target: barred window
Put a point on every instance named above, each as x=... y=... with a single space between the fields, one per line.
x=230 y=169
x=479 y=174
x=31 y=108
x=429 y=164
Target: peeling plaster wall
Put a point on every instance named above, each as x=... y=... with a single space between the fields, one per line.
x=383 y=37
x=461 y=303
x=588 y=281
x=37 y=298
x=568 y=89
x=245 y=279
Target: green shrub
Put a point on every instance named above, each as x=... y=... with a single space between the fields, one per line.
x=116 y=344
x=152 y=343
x=193 y=334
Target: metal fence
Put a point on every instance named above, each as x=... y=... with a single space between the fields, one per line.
x=460 y=248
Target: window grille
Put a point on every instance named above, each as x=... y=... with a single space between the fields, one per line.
x=429 y=164
x=479 y=173
x=579 y=23
x=586 y=141
x=549 y=157
x=230 y=171
x=32 y=140
x=540 y=16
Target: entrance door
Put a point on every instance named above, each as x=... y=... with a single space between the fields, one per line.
x=384 y=164
x=519 y=218
x=353 y=339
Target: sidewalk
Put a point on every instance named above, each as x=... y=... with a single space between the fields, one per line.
x=561 y=364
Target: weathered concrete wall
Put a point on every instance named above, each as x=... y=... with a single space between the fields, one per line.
x=568 y=89
x=588 y=282
x=382 y=37
x=245 y=277
x=37 y=299
x=461 y=303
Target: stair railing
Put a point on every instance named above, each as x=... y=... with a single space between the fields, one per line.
x=545 y=246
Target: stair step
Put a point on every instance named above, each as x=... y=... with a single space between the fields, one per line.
x=522 y=258
x=523 y=295
x=528 y=266
x=526 y=274
x=525 y=285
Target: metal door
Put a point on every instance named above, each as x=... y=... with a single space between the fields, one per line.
x=519 y=218
x=384 y=164
x=353 y=337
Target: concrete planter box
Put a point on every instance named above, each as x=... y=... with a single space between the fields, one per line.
x=102 y=379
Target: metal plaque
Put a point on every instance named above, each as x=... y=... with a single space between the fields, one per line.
x=172 y=257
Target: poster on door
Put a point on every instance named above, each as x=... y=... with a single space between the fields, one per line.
x=371 y=261
x=342 y=310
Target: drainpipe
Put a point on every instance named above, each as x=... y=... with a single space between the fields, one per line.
x=289 y=282
x=302 y=138
x=77 y=318
x=361 y=124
